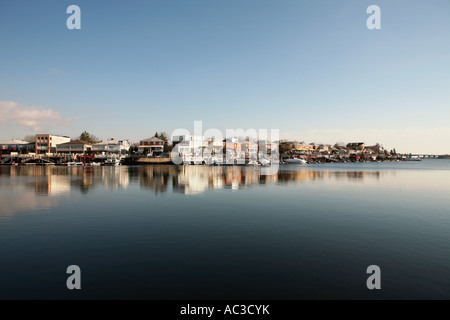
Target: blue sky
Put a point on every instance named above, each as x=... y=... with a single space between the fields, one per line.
x=309 y=68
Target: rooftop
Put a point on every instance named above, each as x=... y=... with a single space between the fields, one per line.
x=154 y=139
x=75 y=142
x=54 y=135
x=108 y=142
x=16 y=141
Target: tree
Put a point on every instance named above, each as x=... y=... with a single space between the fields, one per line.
x=285 y=147
x=224 y=151
x=168 y=147
x=29 y=138
x=163 y=136
x=87 y=137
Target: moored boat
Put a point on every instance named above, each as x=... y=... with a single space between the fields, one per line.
x=295 y=161
x=111 y=162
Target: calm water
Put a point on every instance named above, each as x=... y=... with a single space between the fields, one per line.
x=196 y=232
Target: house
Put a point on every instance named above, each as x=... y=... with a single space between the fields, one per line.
x=19 y=146
x=215 y=151
x=340 y=153
x=74 y=147
x=314 y=147
x=302 y=148
x=357 y=146
x=266 y=147
x=189 y=148
x=232 y=144
x=374 y=149
x=112 y=146
x=46 y=143
x=324 y=148
x=249 y=149
x=233 y=149
x=152 y=146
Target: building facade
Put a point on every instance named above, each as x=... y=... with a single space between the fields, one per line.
x=152 y=146
x=74 y=147
x=249 y=149
x=46 y=143
x=189 y=148
x=112 y=146
x=17 y=146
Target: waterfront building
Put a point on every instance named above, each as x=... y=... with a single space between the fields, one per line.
x=357 y=146
x=215 y=151
x=267 y=148
x=46 y=143
x=340 y=153
x=189 y=148
x=301 y=147
x=324 y=148
x=152 y=146
x=74 y=147
x=233 y=149
x=249 y=149
x=111 y=146
x=17 y=146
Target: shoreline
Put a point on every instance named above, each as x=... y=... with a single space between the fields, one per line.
x=164 y=163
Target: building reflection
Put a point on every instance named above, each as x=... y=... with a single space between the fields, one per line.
x=33 y=188
x=189 y=180
x=155 y=178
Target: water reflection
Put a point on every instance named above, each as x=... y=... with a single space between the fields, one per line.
x=304 y=220
x=59 y=181
x=25 y=189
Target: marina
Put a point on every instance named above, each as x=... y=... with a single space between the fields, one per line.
x=189 y=150
x=115 y=160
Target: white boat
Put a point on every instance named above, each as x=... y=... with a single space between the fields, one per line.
x=111 y=162
x=253 y=163
x=264 y=162
x=295 y=161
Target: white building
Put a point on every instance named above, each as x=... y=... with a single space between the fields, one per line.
x=112 y=146
x=74 y=147
x=189 y=148
x=46 y=143
x=218 y=148
x=16 y=146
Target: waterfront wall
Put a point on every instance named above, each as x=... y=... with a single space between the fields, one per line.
x=152 y=160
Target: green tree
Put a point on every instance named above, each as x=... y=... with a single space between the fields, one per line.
x=285 y=147
x=163 y=136
x=168 y=147
x=87 y=137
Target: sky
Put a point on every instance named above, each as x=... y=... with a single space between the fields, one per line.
x=311 y=69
